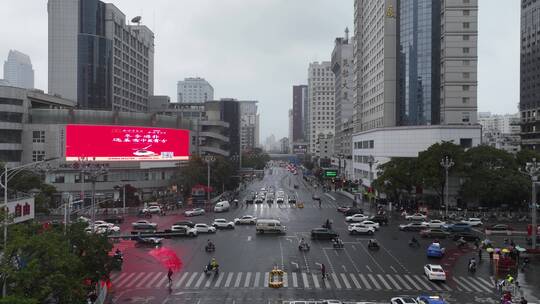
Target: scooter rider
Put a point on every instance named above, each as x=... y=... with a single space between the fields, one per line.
x=210 y=245
x=472 y=264
x=414 y=241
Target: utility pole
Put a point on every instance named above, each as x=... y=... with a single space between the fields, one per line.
x=371 y=161
x=124 y=199
x=446 y=163
x=93 y=171
x=532 y=169
x=208 y=159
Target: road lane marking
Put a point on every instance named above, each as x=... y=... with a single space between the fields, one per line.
x=294 y=280
x=490 y=284
x=153 y=280
x=375 y=283
x=396 y=259
x=350 y=259
x=355 y=281
x=412 y=282
x=315 y=281
x=257 y=279
x=119 y=278
x=162 y=281
x=461 y=284
x=400 y=279
x=345 y=281
x=432 y=284
x=124 y=280
x=220 y=277
x=372 y=258
x=470 y=283
x=285 y=279
x=229 y=278
x=384 y=282
x=191 y=280
x=248 y=280
x=266 y=278
x=396 y=285
x=238 y=279
x=201 y=278
x=208 y=282
x=249 y=238
x=419 y=279
x=134 y=280
x=336 y=281
x=369 y=268
x=365 y=281
x=141 y=282
x=392 y=267
x=479 y=283
x=305 y=280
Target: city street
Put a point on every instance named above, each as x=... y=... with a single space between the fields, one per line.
x=355 y=273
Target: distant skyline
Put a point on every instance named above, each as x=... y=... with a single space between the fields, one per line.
x=257 y=50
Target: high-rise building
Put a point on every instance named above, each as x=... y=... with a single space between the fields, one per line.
x=97 y=59
x=342 y=67
x=321 y=102
x=530 y=72
x=249 y=125
x=300 y=97
x=192 y=90
x=18 y=70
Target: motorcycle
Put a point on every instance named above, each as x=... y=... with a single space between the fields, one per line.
x=373 y=244
x=210 y=247
x=209 y=269
x=414 y=244
x=472 y=267
x=303 y=247
x=338 y=244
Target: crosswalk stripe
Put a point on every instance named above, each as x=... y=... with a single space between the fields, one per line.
x=266 y=279
x=238 y=279
x=219 y=279
x=154 y=279
x=200 y=280
x=248 y=280
x=304 y=278
x=228 y=281
x=257 y=279
x=445 y=286
x=384 y=282
x=402 y=281
x=336 y=281
x=134 y=280
x=345 y=281
x=191 y=279
x=365 y=281
x=355 y=281
x=315 y=280
x=162 y=281
x=181 y=280
x=144 y=279
x=209 y=281
x=118 y=278
x=285 y=279
x=461 y=284
x=468 y=282
x=479 y=283
x=396 y=285
x=412 y=282
x=486 y=282
x=114 y=276
x=125 y=279
x=377 y=286
x=432 y=284
x=294 y=280
x=419 y=279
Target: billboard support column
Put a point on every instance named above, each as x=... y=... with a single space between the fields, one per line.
x=124 y=199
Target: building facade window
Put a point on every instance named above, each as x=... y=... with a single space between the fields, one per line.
x=38 y=136
x=38 y=155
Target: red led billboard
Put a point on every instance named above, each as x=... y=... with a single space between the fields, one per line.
x=125 y=143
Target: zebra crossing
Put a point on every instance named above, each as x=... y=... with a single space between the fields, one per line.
x=295 y=280
x=265 y=206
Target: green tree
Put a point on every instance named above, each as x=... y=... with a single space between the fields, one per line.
x=525 y=156
x=222 y=172
x=255 y=159
x=429 y=166
x=193 y=173
x=398 y=175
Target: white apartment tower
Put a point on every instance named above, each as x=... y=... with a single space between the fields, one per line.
x=18 y=70
x=194 y=90
x=321 y=102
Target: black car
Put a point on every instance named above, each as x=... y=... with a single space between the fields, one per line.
x=292 y=199
x=185 y=223
x=250 y=199
x=323 y=233
x=353 y=211
x=467 y=236
x=114 y=219
x=380 y=218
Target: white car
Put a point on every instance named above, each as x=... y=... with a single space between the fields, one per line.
x=185 y=230
x=280 y=199
x=108 y=228
x=403 y=300
x=434 y=224
x=100 y=222
x=223 y=223
x=97 y=230
x=144 y=224
x=416 y=217
x=194 y=212
x=360 y=229
x=246 y=219
x=204 y=228
x=435 y=272
x=473 y=221
x=356 y=218
x=370 y=224
x=152 y=209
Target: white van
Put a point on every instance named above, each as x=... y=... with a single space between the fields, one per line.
x=270 y=226
x=222 y=206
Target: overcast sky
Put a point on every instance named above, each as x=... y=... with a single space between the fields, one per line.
x=258 y=49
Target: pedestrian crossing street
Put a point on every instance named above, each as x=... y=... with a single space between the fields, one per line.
x=264 y=206
x=338 y=281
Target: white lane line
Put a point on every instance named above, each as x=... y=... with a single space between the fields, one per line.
x=266 y=279
x=191 y=279
x=181 y=280
x=365 y=281
x=315 y=281
x=486 y=282
x=419 y=279
x=412 y=282
x=400 y=279
x=470 y=284
x=432 y=284
x=479 y=283
x=294 y=280
x=238 y=279
x=369 y=268
x=125 y=279
x=355 y=281
x=285 y=279
x=153 y=280
x=345 y=281
x=118 y=278
x=384 y=282
x=336 y=281
x=445 y=286
x=135 y=279
x=141 y=282
x=461 y=284
x=248 y=280
x=396 y=285
x=257 y=280
x=200 y=280
x=305 y=280
x=161 y=282
x=208 y=282
x=377 y=286
x=219 y=279
x=228 y=281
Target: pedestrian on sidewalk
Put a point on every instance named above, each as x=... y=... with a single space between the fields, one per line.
x=169 y=276
x=479 y=254
x=323 y=271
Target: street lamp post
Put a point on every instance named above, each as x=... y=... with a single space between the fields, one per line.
x=208 y=159
x=532 y=169
x=446 y=163
x=371 y=161
x=93 y=171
